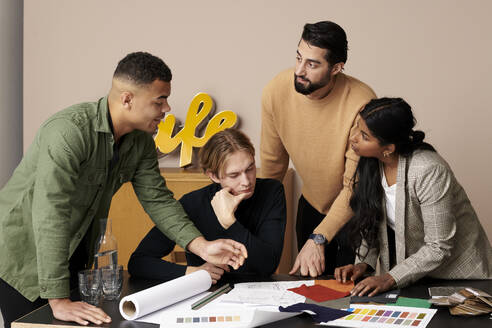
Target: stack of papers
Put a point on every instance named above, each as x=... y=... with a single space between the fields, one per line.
x=465 y=301
x=442 y=296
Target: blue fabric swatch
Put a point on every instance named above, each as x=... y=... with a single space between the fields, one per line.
x=322 y=313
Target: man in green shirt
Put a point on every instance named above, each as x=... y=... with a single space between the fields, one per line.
x=80 y=157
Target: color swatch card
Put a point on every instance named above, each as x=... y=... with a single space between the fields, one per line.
x=240 y=317
x=384 y=316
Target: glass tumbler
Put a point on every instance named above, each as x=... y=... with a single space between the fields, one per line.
x=90 y=286
x=112 y=282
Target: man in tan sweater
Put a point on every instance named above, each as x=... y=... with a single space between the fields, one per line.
x=307 y=116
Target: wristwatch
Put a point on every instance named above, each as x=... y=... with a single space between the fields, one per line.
x=318 y=238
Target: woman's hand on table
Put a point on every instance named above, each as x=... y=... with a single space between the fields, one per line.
x=374 y=284
x=351 y=271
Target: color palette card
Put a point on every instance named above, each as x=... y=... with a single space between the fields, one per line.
x=384 y=316
x=239 y=317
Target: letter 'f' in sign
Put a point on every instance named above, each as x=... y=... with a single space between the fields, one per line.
x=186 y=136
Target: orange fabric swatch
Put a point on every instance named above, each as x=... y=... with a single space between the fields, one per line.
x=333 y=284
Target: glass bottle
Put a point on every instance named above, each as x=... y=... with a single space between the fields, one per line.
x=106 y=246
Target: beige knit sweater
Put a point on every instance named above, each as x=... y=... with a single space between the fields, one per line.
x=315 y=135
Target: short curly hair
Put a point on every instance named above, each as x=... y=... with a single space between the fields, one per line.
x=142 y=68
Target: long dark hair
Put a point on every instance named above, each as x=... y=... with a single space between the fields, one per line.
x=391 y=121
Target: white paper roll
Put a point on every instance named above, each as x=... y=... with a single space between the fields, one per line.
x=152 y=299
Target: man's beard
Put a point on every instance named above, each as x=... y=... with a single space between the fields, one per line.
x=310 y=87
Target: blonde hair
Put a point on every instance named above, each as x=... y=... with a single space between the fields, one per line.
x=214 y=154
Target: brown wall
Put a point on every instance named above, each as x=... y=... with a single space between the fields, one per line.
x=435 y=54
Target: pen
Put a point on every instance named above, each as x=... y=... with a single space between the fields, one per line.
x=207 y=299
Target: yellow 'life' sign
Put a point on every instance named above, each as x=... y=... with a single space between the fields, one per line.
x=166 y=143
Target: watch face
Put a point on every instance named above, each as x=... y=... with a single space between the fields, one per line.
x=318 y=238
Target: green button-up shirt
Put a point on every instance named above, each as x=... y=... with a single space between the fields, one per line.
x=62 y=184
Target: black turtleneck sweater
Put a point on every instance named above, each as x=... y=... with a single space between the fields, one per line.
x=260 y=226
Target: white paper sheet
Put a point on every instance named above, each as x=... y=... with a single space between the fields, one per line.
x=266 y=293
x=274 y=285
x=152 y=299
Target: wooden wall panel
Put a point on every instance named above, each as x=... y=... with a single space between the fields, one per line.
x=131 y=223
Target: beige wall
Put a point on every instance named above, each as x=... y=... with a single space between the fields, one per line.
x=435 y=54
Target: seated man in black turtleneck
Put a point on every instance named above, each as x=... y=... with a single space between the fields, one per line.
x=237 y=206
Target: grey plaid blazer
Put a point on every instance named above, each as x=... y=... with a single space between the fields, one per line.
x=437 y=232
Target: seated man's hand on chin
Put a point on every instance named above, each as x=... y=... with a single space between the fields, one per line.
x=225 y=204
x=215 y=271
x=220 y=251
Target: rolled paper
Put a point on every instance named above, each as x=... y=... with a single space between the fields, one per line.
x=155 y=298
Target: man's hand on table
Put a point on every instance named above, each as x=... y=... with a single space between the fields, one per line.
x=220 y=251
x=310 y=260
x=375 y=285
x=80 y=312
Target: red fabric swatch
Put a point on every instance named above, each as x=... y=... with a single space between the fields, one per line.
x=319 y=293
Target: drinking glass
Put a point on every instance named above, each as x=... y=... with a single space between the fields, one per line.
x=112 y=282
x=90 y=286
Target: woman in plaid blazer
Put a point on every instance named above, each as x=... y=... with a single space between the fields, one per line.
x=410 y=212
